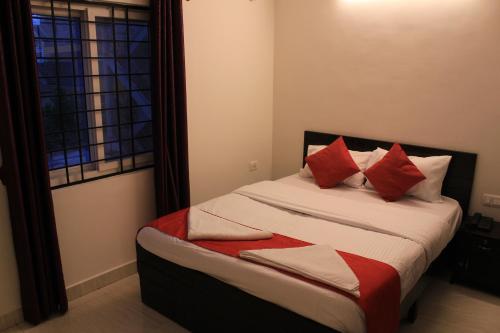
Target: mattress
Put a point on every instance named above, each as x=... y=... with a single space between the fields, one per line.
x=410 y=258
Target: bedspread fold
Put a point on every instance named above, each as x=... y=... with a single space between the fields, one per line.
x=320 y=263
x=206 y=226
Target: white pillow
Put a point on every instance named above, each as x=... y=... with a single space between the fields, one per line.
x=434 y=169
x=305 y=172
x=376 y=156
x=359 y=157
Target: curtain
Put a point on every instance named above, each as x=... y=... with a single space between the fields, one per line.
x=169 y=107
x=25 y=171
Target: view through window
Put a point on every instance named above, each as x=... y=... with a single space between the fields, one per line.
x=94 y=70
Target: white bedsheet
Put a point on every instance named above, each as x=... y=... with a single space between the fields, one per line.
x=425 y=227
x=408 y=257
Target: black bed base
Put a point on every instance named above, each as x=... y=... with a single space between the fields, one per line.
x=201 y=303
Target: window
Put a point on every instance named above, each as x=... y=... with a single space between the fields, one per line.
x=94 y=69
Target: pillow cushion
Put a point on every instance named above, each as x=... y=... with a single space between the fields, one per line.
x=394 y=174
x=434 y=169
x=360 y=158
x=332 y=165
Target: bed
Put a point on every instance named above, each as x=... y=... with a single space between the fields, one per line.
x=207 y=291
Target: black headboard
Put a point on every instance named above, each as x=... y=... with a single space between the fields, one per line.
x=457 y=183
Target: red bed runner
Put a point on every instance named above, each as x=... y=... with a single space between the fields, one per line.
x=379 y=283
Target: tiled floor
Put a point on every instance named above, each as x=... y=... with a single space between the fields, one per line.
x=118 y=308
x=114 y=309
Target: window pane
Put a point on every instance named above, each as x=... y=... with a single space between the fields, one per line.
x=127 y=148
x=107 y=66
x=125 y=115
x=46 y=67
x=140 y=98
x=141 y=113
x=143 y=145
x=139 y=66
x=42 y=26
x=52 y=123
x=129 y=89
x=123 y=82
x=126 y=132
x=62 y=89
x=107 y=83
x=108 y=100
x=64 y=67
x=111 y=134
x=62 y=28
x=110 y=117
x=73 y=156
x=121 y=49
x=84 y=137
x=143 y=129
x=64 y=48
x=95 y=90
x=48 y=86
x=54 y=140
x=120 y=31
x=140 y=81
x=106 y=49
x=138 y=31
x=112 y=150
x=44 y=48
x=56 y=160
x=124 y=99
x=139 y=50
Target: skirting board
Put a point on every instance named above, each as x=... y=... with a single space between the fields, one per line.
x=78 y=290
x=85 y=287
x=11 y=319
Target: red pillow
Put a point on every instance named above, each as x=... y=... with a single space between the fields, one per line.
x=394 y=174
x=332 y=165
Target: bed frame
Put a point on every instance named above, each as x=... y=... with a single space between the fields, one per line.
x=201 y=303
x=459 y=178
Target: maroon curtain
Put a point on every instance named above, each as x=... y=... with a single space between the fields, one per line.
x=24 y=170
x=169 y=107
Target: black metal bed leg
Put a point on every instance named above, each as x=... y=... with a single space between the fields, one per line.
x=413 y=313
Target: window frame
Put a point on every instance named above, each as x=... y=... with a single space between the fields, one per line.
x=103 y=166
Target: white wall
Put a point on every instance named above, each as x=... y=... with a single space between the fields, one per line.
x=229 y=60
x=9 y=283
x=424 y=72
x=97 y=222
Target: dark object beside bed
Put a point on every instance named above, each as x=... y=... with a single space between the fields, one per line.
x=202 y=303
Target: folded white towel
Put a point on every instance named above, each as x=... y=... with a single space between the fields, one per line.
x=205 y=226
x=316 y=262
